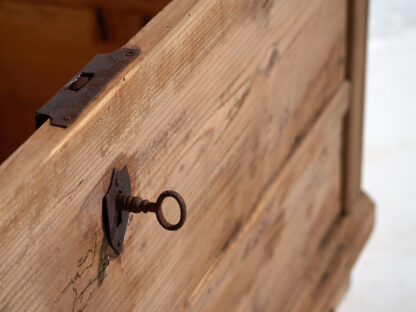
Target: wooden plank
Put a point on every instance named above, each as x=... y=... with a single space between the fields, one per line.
x=213 y=108
x=260 y=267
x=357 y=47
x=320 y=288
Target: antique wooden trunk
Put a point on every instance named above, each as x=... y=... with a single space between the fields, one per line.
x=251 y=110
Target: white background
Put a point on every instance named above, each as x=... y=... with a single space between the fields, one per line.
x=384 y=278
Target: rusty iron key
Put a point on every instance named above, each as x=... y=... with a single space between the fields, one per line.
x=118 y=203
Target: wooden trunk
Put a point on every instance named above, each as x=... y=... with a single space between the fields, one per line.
x=250 y=109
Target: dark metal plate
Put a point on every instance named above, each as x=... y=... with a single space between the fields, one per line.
x=68 y=103
x=115 y=221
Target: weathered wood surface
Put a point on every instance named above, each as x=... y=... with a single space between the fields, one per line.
x=356 y=68
x=321 y=287
x=265 y=260
x=219 y=100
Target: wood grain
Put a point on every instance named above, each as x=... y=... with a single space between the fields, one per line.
x=322 y=285
x=260 y=267
x=356 y=68
x=217 y=103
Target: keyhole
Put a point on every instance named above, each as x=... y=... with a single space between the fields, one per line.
x=119 y=217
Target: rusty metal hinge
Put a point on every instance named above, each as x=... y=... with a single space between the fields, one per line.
x=68 y=103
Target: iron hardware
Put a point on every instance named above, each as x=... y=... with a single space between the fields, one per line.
x=118 y=203
x=68 y=103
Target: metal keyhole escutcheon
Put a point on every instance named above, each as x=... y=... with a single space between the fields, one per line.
x=118 y=203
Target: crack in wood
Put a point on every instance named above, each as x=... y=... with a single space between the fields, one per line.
x=78 y=292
